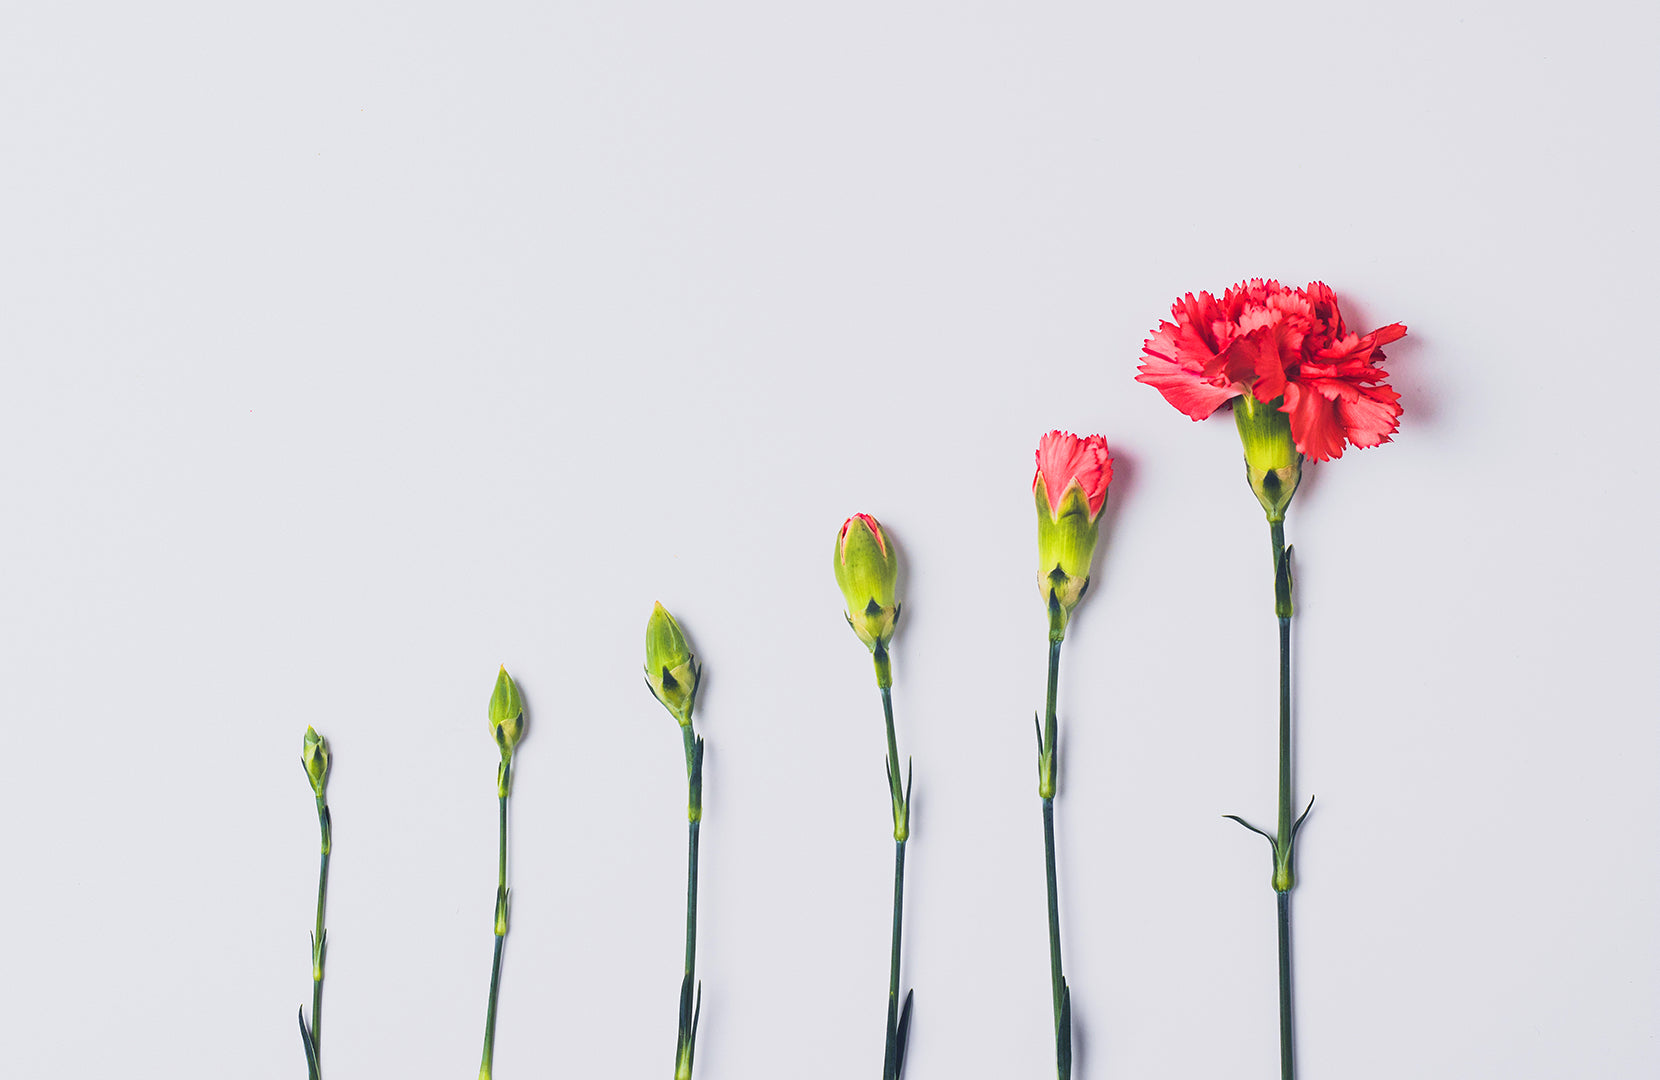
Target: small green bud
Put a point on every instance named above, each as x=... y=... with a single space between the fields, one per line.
x=1273 y=467
x=314 y=755
x=507 y=713
x=867 y=570
x=671 y=670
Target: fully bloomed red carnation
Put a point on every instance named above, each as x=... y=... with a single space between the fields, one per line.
x=1271 y=341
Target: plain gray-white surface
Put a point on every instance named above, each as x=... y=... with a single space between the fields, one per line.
x=350 y=350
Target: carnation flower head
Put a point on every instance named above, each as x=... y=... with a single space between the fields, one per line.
x=1064 y=459
x=1070 y=490
x=867 y=570
x=1283 y=345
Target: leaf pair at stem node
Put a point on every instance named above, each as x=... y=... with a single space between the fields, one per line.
x=1282 y=849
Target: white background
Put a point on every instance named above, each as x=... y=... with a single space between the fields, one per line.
x=353 y=349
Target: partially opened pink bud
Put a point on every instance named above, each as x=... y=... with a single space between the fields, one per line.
x=867 y=570
x=1070 y=489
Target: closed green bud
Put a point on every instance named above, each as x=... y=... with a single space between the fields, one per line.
x=314 y=755
x=1070 y=489
x=867 y=570
x=671 y=670
x=1272 y=464
x=507 y=713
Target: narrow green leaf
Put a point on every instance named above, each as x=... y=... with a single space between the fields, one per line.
x=903 y=1036
x=312 y=1068
x=1298 y=824
x=1253 y=828
x=1063 y=1035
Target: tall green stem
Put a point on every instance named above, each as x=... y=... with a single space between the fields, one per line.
x=691 y=896
x=503 y=778
x=1056 y=978
x=895 y=1050
x=694 y=803
x=1284 y=844
x=1047 y=768
x=893 y=762
x=319 y=937
x=686 y=1039
x=898 y=1025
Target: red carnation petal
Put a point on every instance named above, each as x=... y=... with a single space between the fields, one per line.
x=1064 y=459
x=1372 y=417
x=1259 y=364
x=870 y=523
x=1186 y=390
x=1315 y=425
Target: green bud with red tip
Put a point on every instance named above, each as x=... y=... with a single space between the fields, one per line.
x=867 y=571
x=507 y=713
x=671 y=671
x=1070 y=489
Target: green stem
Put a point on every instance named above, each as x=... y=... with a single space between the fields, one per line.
x=1284 y=845
x=1046 y=780
x=1282 y=605
x=490 y=1018
x=691 y=897
x=690 y=1005
x=1288 y=1068
x=898 y=1017
x=890 y=1065
x=1048 y=762
x=1056 y=978
x=893 y=766
x=319 y=939
x=501 y=924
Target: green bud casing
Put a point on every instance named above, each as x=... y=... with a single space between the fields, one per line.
x=1066 y=547
x=1273 y=467
x=507 y=713
x=867 y=570
x=671 y=670
x=314 y=755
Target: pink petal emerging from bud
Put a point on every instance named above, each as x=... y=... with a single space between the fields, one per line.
x=1064 y=459
x=870 y=523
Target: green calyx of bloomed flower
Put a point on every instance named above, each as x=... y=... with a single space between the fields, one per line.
x=507 y=714
x=1272 y=464
x=314 y=755
x=867 y=570
x=1066 y=547
x=671 y=670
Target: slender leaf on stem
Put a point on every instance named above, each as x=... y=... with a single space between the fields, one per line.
x=312 y=1068
x=902 y=1036
x=1266 y=836
x=1063 y=1035
x=1298 y=824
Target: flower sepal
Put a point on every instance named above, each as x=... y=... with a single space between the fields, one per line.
x=1273 y=465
